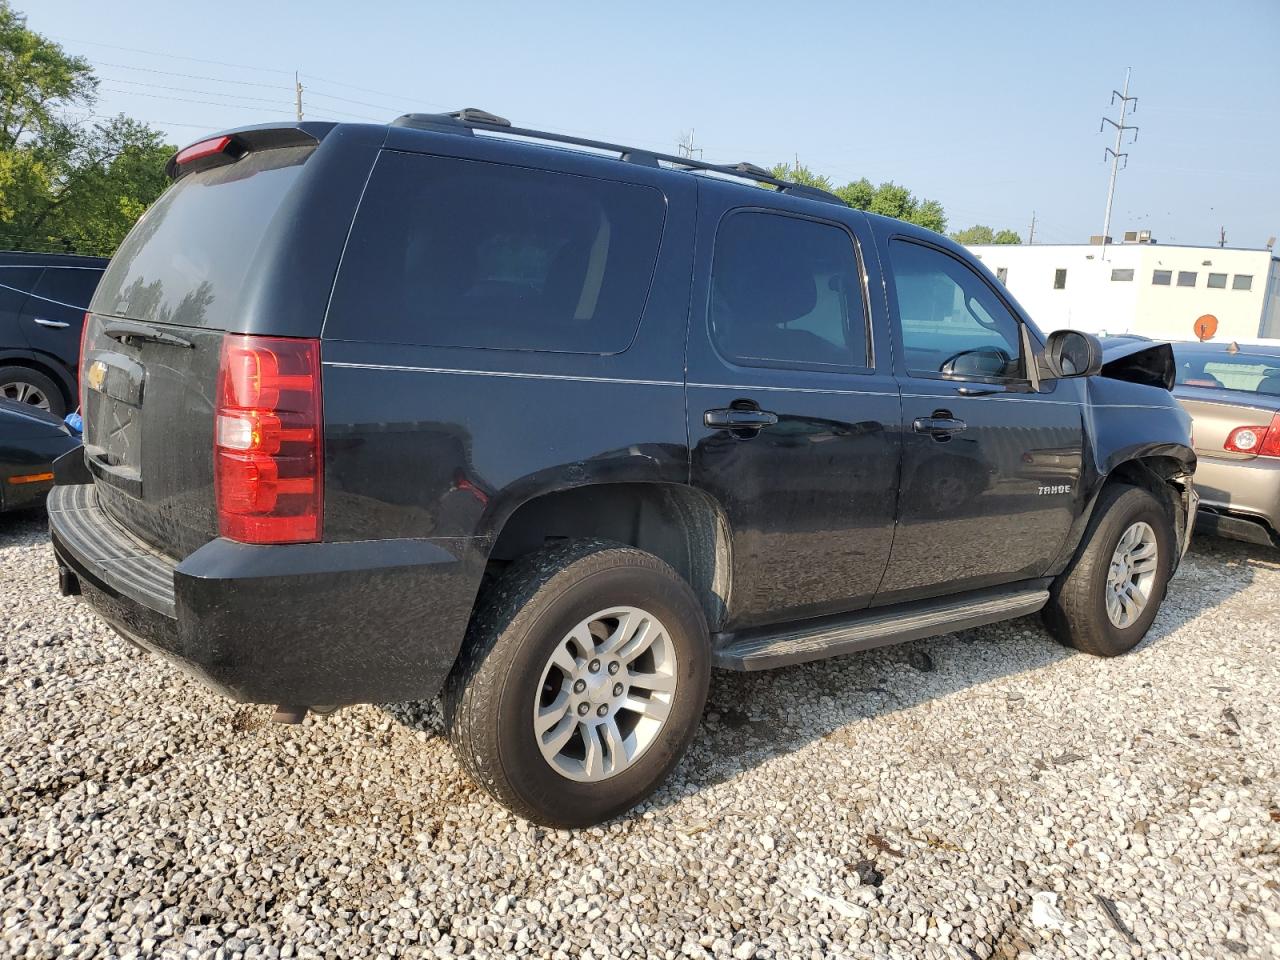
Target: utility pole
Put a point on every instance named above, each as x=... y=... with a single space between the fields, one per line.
x=297 y=96
x=1115 y=153
x=1031 y=237
x=1222 y=236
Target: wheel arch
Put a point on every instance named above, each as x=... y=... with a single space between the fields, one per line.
x=54 y=371
x=677 y=523
x=1164 y=470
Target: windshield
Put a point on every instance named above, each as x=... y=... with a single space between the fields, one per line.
x=1228 y=371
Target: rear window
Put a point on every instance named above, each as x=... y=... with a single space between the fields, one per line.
x=187 y=259
x=464 y=253
x=1259 y=375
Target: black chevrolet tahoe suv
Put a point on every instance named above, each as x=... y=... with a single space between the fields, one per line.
x=556 y=426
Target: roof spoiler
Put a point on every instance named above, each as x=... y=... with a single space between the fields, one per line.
x=229 y=146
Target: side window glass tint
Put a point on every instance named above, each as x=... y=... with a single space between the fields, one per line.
x=464 y=253
x=786 y=290
x=69 y=286
x=952 y=323
x=15 y=285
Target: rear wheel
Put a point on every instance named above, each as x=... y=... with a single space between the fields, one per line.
x=1105 y=602
x=582 y=682
x=24 y=385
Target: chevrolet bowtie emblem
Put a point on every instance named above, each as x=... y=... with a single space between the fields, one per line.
x=96 y=375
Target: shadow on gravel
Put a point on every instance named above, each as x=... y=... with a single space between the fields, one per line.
x=22 y=525
x=752 y=717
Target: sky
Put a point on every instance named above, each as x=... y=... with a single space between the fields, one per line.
x=991 y=108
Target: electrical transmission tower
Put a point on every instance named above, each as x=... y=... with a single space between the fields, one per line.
x=685 y=147
x=1115 y=154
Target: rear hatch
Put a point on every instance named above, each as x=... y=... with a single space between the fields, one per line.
x=207 y=259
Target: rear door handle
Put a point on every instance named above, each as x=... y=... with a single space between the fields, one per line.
x=51 y=324
x=730 y=418
x=946 y=425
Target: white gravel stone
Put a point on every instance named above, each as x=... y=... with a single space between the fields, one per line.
x=857 y=808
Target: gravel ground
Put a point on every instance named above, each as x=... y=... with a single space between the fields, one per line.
x=982 y=794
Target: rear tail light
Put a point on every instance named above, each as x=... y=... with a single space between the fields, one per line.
x=268 y=435
x=1259 y=441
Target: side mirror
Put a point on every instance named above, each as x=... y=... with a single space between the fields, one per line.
x=1071 y=353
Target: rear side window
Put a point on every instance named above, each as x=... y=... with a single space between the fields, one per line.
x=464 y=253
x=188 y=258
x=16 y=284
x=786 y=290
x=69 y=286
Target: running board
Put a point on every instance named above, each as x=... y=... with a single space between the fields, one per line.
x=807 y=640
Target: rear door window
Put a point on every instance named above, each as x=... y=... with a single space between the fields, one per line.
x=464 y=253
x=68 y=286
x=786 y=290
x=16 y=284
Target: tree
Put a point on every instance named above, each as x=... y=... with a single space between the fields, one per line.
x=66 y=184
x=888 y=199
x=800 y=174
x=981 y=234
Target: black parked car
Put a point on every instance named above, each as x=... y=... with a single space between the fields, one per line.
x=373 y=411
x=43 y=299
x=30 y=440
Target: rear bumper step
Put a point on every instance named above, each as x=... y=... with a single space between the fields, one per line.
x=305 y=623
x=799 y=643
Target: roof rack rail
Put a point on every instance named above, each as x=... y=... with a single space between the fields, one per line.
x=469 y=119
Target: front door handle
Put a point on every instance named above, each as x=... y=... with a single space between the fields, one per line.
x=51 y=324
x=938 y=425
x=731 y=418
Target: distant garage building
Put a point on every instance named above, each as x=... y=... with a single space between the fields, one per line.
x=1139 y=286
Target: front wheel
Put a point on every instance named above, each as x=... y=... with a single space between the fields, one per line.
x=583 y=678
x=1105 y=601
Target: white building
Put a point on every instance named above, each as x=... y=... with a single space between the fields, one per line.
x=1154 y=289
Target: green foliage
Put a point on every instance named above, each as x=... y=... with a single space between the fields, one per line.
x=980 y=233
x=799 y=174
x=889 y=199
x=65 y=184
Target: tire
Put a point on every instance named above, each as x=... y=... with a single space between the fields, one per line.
x=25 y=385
x=506 y=673
x=1077 y=612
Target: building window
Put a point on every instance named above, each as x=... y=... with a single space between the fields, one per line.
x=1217 y=281
x=1060 y=279
x=1121 y=274
x=1162 y=278
x=1186 y=278
x=1242 y=281
x=1002 y=274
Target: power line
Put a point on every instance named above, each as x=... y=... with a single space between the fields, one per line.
x=209 y=93
x=188 y=76
x=211 y=103
x=172 y=56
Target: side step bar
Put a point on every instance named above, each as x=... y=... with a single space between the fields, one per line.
x=815 y=640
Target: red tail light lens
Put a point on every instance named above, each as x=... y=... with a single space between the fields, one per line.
x=1260 y=441
x=268 y=440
